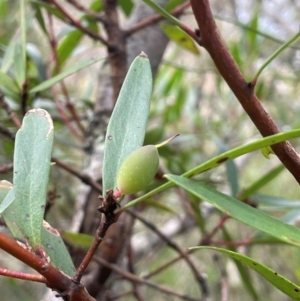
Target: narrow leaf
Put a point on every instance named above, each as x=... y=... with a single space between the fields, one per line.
x=20 y=49
x=76 y=67
x=127 y=125
x=67 y=46
x=244 y=273
x=8 y=83
x=283 y=284
x=32 y=156
x=240 y=211
x=8 y=57
x=261 y=182
x=79 y=240
x=180 y=37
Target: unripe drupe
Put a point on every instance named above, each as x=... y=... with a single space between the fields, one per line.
x=138 y=170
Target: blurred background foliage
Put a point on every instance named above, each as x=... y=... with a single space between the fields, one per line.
x=190 y=98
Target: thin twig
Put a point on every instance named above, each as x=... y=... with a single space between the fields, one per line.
x=56 y=280
x=4 y=131
x=24 y=97
x=183 y=254
x=77 y=24
x=70 y=106
x=109 y=217
x=23 y=276
x=88 y=11
x=156 y=18
x=6 y=168
x=83 y=177
x=211 y=40
x=59 y=106
x=204 y=241
x=136 y=289
x=224 y=278
x=13 y=117
x=134 y=278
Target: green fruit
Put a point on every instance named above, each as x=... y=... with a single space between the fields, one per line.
x=138 y=170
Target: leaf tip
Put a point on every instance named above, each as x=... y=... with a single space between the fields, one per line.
x=46 y=115
x=143 y=54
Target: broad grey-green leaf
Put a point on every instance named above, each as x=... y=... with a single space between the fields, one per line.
x=70 y=70
x=32 y=157
x=56 y=249
x=52 y=242
x=240 y=211
x=127 y=125
x=283 y=284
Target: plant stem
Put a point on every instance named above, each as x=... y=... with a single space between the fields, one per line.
x=274 y=55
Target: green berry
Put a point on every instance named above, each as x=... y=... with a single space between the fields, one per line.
x=138 y=170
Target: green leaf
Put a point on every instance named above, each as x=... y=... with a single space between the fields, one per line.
x=276 y=202
x=231 y=170
x=261 y=182
x=76 y=67
x=39 y=16
x=159 y=206
x=3 y=8
x=127 y=6
x=181 y=38
x=80 y=240
x=8 y=83
x=56 y=249
x=8 y=57
x=220 y=159
x=6 y=197
x=38 y=60
x=240 y=211
x=127 y=125
x=32 y=157
x=171 y=4
x=51 y=240
x=20 y=65
x=20 y=50
x=267 y=151
x=50 y=9
x=68 y=44
x=283 y=284
x=244 y=273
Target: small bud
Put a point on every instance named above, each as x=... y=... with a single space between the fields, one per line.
x=138 y=170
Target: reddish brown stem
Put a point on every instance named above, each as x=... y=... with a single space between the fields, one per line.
x=133 y=278
x=60 y=109
x=55 y=279
x=84 y=178
x=77 y=24
x=117 y=47
x=23 y=276
x=13 y=116
x=88 y=11
x=211 y=40
x=6 y=168
x=108 y=207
